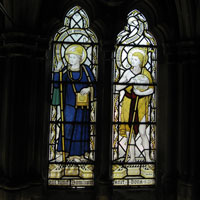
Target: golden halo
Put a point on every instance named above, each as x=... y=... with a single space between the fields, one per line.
x=58 y=52
x=132 y=51
x=121 y=54
x=78 y=50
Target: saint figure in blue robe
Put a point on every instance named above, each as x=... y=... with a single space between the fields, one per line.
x=77 y=84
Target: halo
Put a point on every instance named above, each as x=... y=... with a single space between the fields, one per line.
x=121 y=54
x=57 y=51
x=132 y=51
x=84 y=53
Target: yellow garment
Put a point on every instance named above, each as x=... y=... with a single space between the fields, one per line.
x=142 y=106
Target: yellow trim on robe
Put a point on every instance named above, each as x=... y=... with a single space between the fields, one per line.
x=142 y=107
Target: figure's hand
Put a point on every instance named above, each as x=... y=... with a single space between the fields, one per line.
x=85 y=91
x=59 y=66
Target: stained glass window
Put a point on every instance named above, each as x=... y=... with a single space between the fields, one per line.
x=73 y=103
x=134 y=104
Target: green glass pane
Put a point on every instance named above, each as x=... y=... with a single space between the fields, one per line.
x=73 y=103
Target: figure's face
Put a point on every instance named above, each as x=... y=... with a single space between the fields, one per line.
x=135 y=61
x=74 y=59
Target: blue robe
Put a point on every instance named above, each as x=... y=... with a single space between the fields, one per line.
x=77 y=135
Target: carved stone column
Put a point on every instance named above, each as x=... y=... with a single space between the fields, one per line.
x=23 y=112
x=103 y=156
x=188 y=157
x=167 y=123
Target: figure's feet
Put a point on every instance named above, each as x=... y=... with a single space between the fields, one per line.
x=74 y=159
x=147 y=155
x=83 y=160
x=77 y=159
x=148 y=159
x=132 y=160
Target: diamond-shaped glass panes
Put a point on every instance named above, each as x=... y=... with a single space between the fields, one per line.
x=134 y=104
x=72 y=133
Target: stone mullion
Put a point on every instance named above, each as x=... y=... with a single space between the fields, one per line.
x=168 y=129
x=22 y=102
x=103 y=158
x=187 y=118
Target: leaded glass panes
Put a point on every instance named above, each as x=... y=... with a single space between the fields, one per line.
x=73 y=103
x=134 y=104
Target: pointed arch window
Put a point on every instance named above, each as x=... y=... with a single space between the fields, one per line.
x=134 y=104
x=73 y=103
